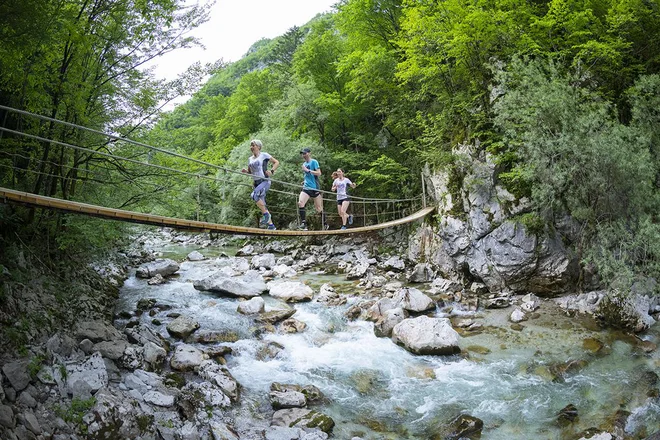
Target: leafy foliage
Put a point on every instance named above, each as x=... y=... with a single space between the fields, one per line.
x=79 y=62
x=578 y=158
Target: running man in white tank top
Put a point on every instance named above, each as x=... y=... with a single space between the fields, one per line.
x=258 y=168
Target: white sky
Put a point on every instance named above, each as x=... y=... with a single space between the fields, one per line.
x=235 y=25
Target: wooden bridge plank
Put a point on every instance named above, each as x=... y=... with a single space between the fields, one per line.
x=8 y=195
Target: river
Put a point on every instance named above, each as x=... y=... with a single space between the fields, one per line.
x=515 y=379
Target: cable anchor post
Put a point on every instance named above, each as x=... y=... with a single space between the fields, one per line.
x=423 y=191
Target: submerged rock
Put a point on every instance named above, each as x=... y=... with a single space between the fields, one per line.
x=465 y=427
x=302 y=418
x=597 y=434
x=567 y=415
x=275 y=316
x=292 y=325
x=156 y=280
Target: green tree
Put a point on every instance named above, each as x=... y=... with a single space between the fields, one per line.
x=578 y=159
x=245 y=107
x=81 y=62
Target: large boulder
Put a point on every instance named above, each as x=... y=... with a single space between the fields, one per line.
x=627 y=311
x=86 y=377
x=264 y=260
x=511 y=258
x=358 y=270
x=293 y=291
x=421 y=273
x=478 y=237
x=252 y=306
x=187 y=358
x=287 y=399
x=220 y=376
x=395 y=263
x=161 y=266
x=246 y=286
x=17 y=374
x=390 y=318
x=424 y=335
x=582 y=303
x=413 y=300
x=97 y=331
x=182 y=327
x=195 y=256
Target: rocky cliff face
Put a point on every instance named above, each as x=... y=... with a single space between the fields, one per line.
x=479 y=235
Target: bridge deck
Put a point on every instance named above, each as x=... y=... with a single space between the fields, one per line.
x=8 y=195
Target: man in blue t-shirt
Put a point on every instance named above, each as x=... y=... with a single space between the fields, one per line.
x=311 y=188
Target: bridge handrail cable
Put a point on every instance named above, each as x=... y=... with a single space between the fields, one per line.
x=171 y=153
x=109 y=155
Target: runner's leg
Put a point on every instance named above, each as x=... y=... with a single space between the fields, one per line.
x=318 y=204
x=344 y=211
x=343 y=221
x=302 y=201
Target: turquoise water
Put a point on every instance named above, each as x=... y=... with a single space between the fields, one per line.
x=508 y=378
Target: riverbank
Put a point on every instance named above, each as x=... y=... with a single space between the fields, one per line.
x=204 y=350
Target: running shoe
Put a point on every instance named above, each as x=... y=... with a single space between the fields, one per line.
x=265 y=219
x=326 y=227
x=303 y=226
x=271 y=227
x=343 y=227
x=350 y=219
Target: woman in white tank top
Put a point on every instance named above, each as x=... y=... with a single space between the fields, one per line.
x=341 y=184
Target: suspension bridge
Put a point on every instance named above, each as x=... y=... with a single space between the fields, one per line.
x=58 y=165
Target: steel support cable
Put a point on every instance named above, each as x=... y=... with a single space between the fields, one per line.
x=112 y=156
x=160 y=167
x=82 y=179
x=137 y=162
x=125 y=179
x=85 y=179
x=109 y=155
x=115 y=137
x=171 y=153
x=93 y=178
